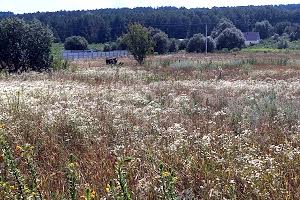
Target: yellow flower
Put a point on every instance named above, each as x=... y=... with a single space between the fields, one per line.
x=2 y=126
x=71 y=165
x=107 y=189
x=175 y=178
x=93 y=194
x=12 y=187
x=19 y=148
x=166 y=174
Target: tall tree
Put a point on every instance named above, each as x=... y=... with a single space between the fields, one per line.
x=139 y=42
x=264 y=28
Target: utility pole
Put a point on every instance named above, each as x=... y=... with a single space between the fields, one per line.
x=206 y=38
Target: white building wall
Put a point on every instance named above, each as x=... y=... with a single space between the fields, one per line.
x=247 y=43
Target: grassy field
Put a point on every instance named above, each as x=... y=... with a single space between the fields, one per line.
x=217 y=126
x=271 y=45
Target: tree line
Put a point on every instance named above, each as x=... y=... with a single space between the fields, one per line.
x=103 y=25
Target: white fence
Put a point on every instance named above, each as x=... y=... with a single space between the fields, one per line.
x=75 y=55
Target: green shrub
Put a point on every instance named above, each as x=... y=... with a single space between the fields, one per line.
x=198 y=44
x=182 y=44
x=264 y=28
x=139 y=42
x=24 y=46
x=282 y=44
x=161 y=42
x=230 y=38
x=76 y=43
x=121 y=44
x=173 y=47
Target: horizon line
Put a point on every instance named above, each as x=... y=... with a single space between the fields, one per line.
x=153 y=7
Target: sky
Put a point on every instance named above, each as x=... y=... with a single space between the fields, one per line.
x=27 y=6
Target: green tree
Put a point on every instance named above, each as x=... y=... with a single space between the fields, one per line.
x=182 y=44
x=76 y=43
x=211 y=44
x=230 y=38
x=293 y=31
x=139 y=42
x=198 y=44
x=264 y=28
x=280 y=27
x=173 y=47
x=282 y=44
x=161 y=42
x=121 y=44
x=195 y=44
x=24 y=46
x=223 y=24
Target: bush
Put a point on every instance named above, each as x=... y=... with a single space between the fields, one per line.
x=106 y=47
x=139 y=42
x=282 y=44
x=121 y=44
x=24 y=46
x=211 y=44
x=264 y=28
x=182 y=44
x=110 y=46
x=113 y=46
x=173 y=47
x=223 y=24
x=161 y=42
x=198 y=44
x=76 y=43
x=293 y=31
x=230 y=38
x=275 y=37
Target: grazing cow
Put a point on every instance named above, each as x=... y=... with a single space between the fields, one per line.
x=111 y=61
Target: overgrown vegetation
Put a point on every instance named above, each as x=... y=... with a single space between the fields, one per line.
x=24 y=46
x=196 y=126
x=76 y=43
x=139 y=42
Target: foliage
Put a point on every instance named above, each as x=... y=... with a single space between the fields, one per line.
x=24 y=46
x=100 y=26
x=182 y=44
x=279 y=28
x=107 y=47
x=139 y=42
x=72 y=177
x=271 y=45
x=293 y=31
x=230 y=38
x=173 y=46
x=118 y=188
x=121 y=44
x=196 y=43
x=76 y=43
x=282 y=44
x=223 y=24
x=211 y=44
x=167 y=182
x=264 y=28
x=161 y=42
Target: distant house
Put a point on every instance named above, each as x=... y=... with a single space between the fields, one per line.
x=251 y=38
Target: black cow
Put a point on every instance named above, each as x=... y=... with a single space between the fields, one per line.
x=111 y=61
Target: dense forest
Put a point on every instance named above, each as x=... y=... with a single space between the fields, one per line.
x=107 y=24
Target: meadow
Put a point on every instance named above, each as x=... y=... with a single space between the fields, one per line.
x=182 y=126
